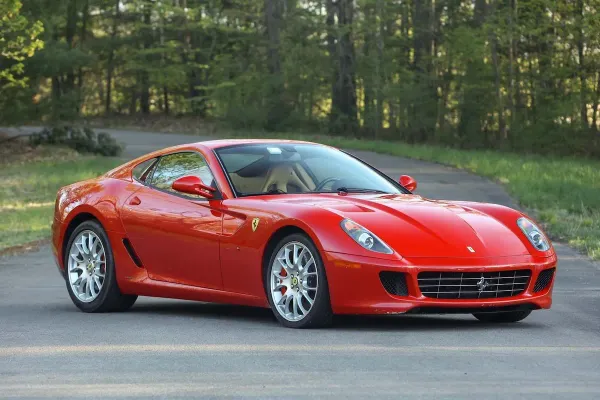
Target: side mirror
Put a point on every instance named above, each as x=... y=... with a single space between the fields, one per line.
x=193 y=185
x=408 y=182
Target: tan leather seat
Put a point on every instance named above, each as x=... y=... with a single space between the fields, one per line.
x=281 y=176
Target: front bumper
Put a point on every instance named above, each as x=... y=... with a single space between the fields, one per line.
x=355 y=286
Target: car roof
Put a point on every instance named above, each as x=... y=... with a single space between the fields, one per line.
x=216 y=144
x=207 y=145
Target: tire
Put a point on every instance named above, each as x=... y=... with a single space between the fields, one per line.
x=109 y=297
x=319 y=313
x=503 y=317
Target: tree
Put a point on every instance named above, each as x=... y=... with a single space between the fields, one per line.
x=510 y=74
x=19 y=40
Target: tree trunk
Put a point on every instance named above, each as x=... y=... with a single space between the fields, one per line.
x=166 y=100
x=379 y=70
x=71 y=28
x=511 y=63
x=83 y=37
x=110 y=64
x=594 y=125
x=275 y=93
x=497 y=82
x=582 y=70
x=344 y=109
x=331 y=7
x=368 y=97
x=147 y=44
x=423 y=115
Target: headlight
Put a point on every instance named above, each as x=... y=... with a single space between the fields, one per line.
x=364 y=237
x=534 y=234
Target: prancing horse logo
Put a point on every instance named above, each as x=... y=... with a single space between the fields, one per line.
x=482 y=284
x=255 y=222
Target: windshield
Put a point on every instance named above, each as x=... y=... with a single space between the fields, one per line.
x=281 y=168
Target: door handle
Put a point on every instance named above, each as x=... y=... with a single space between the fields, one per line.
x=135 y=201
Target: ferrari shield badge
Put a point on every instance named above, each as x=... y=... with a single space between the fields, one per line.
x=255 y=222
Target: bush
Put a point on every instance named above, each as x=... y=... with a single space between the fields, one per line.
x=84 y=140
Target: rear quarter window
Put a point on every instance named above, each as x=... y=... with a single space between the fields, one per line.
x=140 y=171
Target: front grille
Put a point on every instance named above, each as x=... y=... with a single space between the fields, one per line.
x=394 y=282
x=544 y=279
x=473 y=285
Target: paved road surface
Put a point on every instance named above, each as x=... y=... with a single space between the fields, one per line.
x=169 y=349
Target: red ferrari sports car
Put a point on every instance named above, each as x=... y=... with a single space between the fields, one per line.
x=305 y=229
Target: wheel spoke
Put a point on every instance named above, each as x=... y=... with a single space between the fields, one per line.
x=78 y=281
x=295 y=305
x=309 y=263
x=92 y=286
x=82 y=286
x=278 y=275
x=304 y=310
x=288 y=304
x=97 y=280
x=84 y=247
x=91 y=243
x=79 y=249
x=76 y=268
x=295 y=254
x=288 y=263
x=279 y=287
x=300 y=257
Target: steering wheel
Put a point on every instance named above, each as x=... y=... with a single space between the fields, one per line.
x=325 y=182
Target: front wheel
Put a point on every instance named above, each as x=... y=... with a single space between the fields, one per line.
x=503 y=317
x=90 y=271
x=296 y=284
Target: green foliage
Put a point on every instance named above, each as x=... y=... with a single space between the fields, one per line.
x=18 y=41
x=83 y=140
x=495 y=74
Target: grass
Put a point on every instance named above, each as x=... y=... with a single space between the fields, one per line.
x=28 y=185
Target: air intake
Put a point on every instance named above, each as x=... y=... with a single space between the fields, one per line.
x=394 y=283
x=132 y=253
x=544 y=279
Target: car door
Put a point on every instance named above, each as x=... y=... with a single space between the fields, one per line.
x=176 y=236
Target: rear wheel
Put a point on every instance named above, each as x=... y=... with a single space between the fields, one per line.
x=296 y=284
x=90 y=271
x=503 y=317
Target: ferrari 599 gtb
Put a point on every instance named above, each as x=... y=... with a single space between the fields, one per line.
x=307 y=230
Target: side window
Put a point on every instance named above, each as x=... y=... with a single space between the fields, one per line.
x=173 y=166
x=140 y=172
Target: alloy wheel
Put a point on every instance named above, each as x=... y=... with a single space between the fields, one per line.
x=87 y=266
x=294 y=281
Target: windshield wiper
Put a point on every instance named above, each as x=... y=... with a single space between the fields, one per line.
x=345 y=189
x=272 y=191
x=358 y=190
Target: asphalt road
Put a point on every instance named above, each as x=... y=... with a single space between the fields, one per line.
x=169 y=349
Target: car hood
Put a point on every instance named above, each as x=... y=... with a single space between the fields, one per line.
x=418 y=227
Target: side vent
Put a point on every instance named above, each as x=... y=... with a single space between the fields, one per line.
x=394 y=282
x=132 y=253
x=544 y=279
